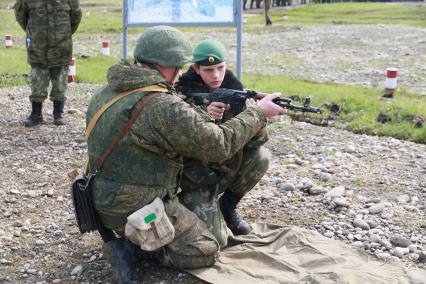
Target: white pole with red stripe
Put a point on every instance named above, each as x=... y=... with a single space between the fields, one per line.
x=8 y=41
x=105 y=48
x=391 y=81
x=285 y=16
x=72 y=71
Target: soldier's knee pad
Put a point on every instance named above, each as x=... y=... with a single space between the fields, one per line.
x=195 y=248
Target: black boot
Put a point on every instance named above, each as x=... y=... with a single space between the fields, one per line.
x=36 y=116
x=122 y=256
x=58 y=113
x=228 y=204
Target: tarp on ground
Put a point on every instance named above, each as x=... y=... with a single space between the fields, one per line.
x=275 y=254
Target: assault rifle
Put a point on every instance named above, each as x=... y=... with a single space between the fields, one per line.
x=236 y=99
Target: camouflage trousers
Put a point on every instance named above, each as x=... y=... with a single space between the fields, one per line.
x=40 y=79
x=193 y=246
x=202 y=184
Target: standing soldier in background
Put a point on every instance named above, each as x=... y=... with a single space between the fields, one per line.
x=49 y=26
x=202 y=182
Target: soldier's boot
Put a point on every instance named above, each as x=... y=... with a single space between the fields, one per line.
x=36 y=116
x=228 y=204
x=122 y=256
x=58 y=113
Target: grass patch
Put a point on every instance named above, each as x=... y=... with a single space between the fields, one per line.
x=360 y=106
x=105 y=17
x=94 y=69
x=348 y=13
x=14 y=69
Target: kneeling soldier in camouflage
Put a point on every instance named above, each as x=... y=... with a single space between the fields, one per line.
x=138 y=182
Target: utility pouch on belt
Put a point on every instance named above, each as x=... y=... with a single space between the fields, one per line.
x=149 y=227
x=82 y=199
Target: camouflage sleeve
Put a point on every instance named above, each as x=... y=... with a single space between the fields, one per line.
x=259 y=139
x=178 y=129
x=21 y=14
x=75 y=15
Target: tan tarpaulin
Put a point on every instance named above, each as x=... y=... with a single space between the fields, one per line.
x=274 y=254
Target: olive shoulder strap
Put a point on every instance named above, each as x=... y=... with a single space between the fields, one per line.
x=98 y=114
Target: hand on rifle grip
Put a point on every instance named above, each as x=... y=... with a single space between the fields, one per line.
x=270 y=109
x=216 y=109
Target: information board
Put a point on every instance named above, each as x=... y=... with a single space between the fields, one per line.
x=139 y=13
x=180 y=11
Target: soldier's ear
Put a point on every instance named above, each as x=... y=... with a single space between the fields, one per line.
x=196 y=68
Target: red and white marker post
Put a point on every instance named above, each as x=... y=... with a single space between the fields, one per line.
x=72 y=71
x=285 y=16
x=391 y=82
x=8 y=41
x=105 y=48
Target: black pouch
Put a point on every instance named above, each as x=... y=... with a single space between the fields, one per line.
x=83 y=203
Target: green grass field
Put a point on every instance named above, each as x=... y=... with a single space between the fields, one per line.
x=349 y=13
x=360 y=106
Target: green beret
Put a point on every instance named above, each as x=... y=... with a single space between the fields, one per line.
x=209 y=52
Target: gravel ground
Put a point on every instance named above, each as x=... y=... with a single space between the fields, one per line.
x=364 y=190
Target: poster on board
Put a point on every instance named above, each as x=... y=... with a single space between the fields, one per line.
x=180 y=11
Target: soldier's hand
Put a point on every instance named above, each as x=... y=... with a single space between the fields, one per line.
x=216 y=109
x=270 y=109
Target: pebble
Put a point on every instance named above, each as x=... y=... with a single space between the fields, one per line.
x=316 y=190
x=403 y=198
x=377 y=208
x=422 y=257
x=325 y=176
x=77 y=271
x=400 y=252
x=285 y=187
x=361 y=224
x=335 y=192
x=399 y=241
x=341 y=202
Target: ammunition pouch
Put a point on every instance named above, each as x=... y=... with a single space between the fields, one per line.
x=83 y=204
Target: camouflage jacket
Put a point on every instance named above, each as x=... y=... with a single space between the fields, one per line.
x=148 y=159
x=49 y=25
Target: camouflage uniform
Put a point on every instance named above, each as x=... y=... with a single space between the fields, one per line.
x=49 y=26
x=147 y=163
x=203 y=182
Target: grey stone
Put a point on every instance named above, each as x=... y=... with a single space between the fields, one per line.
x=400 y=252
x=77 y=271
x=400 y=241
x=377 y=208
x=341 y=202
x=361 y=224
x=335 y=192
x=316 y=190
x=286 y=187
